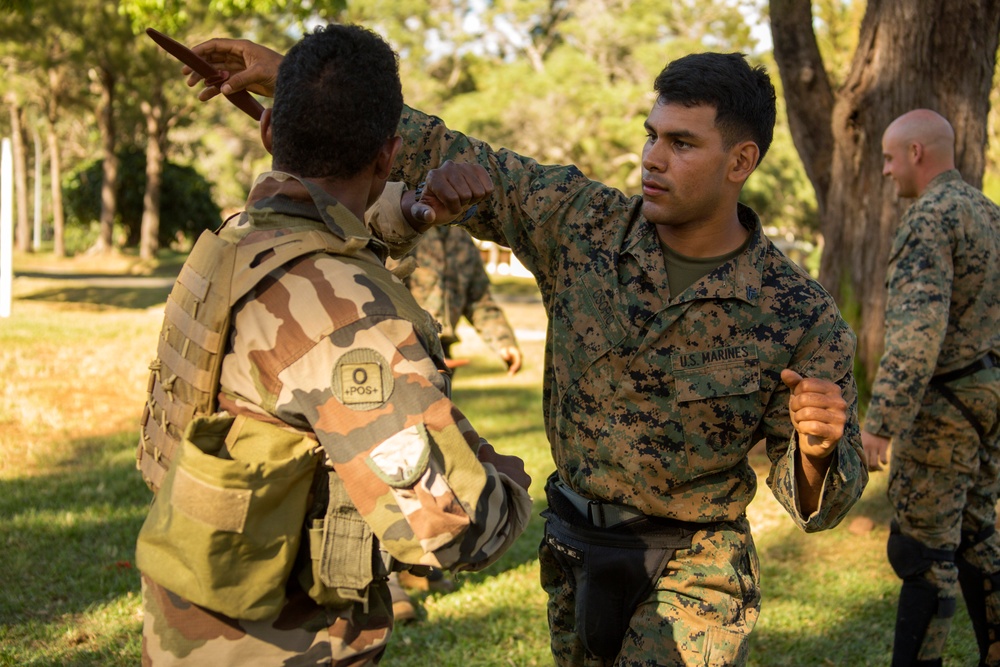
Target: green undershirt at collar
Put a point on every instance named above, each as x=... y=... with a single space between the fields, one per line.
x=684 y=271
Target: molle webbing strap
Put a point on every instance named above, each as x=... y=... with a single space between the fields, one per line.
x=184 y=378
x=185 y=373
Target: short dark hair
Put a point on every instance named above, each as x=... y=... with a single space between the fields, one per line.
x=337 y=99
x=743 y=95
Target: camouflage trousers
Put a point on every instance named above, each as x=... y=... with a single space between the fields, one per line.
x=943 y=486
x=701 y=612
x=176 y=632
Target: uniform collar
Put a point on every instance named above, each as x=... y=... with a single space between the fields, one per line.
x=942 y=178
x=738 y=278
x=285 y=194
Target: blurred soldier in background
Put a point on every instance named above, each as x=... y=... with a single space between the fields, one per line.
x=450 y=281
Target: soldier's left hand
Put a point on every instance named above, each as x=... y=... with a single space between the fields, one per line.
x=511 y=356
x=818 y=412
x=449 y=191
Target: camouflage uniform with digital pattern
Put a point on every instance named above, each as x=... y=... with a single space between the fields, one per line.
x=334 y=345
x=450 y=281
x=943 y=314
x=654 y=400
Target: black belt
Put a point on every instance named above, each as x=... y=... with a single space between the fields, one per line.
x=989 y=361
x=602 y=515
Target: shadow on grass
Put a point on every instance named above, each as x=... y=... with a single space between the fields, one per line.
x=68 y=537
x=127 y=296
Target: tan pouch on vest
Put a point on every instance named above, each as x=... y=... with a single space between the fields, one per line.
x=338 y=576
x=225 y=527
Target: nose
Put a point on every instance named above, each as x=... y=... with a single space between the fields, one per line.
x=653 y=159
x=885 y=169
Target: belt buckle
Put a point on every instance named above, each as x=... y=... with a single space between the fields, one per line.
x=595 y=512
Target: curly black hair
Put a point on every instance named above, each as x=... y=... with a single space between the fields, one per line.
x=337 y=99
x=743 y=95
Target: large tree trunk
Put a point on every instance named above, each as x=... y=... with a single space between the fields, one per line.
x=22 y=234
x=911 y=54
x=109 y=177
x=156 y=125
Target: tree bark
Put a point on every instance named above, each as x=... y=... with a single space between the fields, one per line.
x=911 y=54
x=55 y=163
x=36 y=231
x=153 y=110
x=109 y=179
x=22 y=232
x=58 y=215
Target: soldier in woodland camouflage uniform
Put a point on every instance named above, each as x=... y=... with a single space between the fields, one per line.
x=679 y=337
x=334 y=346
x=936 y=396
x=450 y=282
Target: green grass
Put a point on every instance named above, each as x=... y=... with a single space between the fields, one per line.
x=73 y=368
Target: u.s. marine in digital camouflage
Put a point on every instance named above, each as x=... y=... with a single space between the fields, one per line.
x=450 y=281
x=655 y=396
x=936 y=395
x=333 y=346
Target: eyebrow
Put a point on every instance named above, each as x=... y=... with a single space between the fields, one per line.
x=675 y=134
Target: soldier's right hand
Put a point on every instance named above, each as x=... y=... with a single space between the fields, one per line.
x=449 y=191
x=248 y=65
x=876 y=450
x=512 y=466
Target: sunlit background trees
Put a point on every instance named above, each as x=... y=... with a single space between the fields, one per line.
x=114 y=153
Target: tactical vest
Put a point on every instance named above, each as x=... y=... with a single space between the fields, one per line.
x=221 y=269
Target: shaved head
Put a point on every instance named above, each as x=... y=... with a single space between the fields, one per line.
x=916 y=147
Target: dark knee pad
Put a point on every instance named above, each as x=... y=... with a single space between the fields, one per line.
x=909 y=557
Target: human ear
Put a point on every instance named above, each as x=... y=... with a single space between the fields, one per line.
x=745 y=156
x=265 y=130
x=386 y=156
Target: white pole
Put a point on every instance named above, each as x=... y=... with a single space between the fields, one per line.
x=6 y=227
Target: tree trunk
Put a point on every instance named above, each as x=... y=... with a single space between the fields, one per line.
x=22 y=233
x=109 y=175
x=58 y=217
x=153 y=109
x=911 y=54
x=36 y=235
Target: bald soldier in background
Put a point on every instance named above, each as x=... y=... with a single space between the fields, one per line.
x=936 y=396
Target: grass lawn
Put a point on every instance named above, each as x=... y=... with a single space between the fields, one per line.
x=73 y=368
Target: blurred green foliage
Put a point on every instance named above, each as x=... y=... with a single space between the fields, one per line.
x=187 y=207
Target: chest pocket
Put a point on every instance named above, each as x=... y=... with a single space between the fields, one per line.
x=584 y=329
x=718 y=401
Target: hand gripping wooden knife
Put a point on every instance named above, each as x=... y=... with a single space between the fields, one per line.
x=241 y=98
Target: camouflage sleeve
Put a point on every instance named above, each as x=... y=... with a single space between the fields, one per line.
x=385 y=219
x=329 y=352
x=919 y=282
x=847 y=476
x=480 y=309
x=530 y=204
